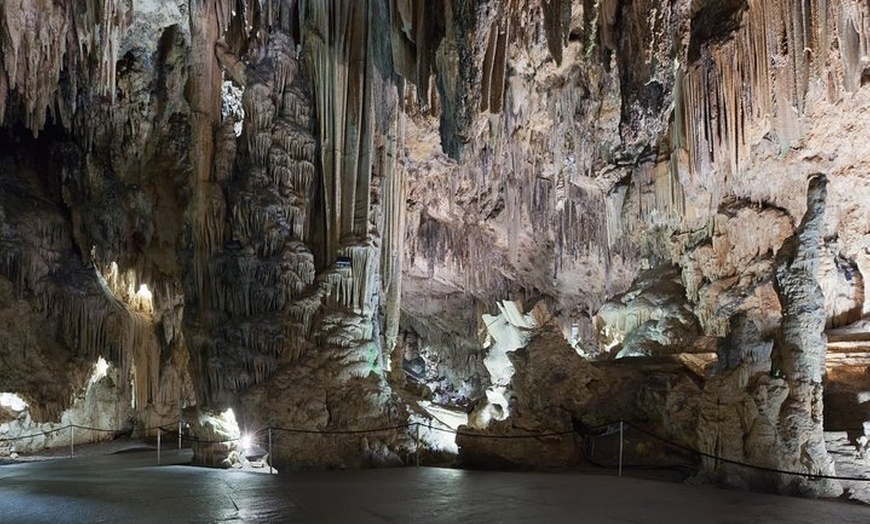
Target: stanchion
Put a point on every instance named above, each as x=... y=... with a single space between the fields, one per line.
x=417 y=448
x=270 y=451
x=179 y=434
x=620 y=446
x=72 y=441
x=158 y=445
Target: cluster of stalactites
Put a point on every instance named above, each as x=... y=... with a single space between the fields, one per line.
x=762 y=76
x=360 y=177
x=237 y=18
x=337 y=42
x=256 y=293
x=259 y=295
x=93 y=323
x=470 y=251
x=350 y=286
x=56 y=55
x=350 y=339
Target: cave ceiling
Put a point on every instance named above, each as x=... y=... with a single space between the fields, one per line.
x=284 y=203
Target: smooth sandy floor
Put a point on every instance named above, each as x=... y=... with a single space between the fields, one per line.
x=131 y=488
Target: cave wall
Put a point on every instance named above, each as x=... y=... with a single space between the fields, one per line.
x=684 y=134
x=317 y=192
x=94 y=153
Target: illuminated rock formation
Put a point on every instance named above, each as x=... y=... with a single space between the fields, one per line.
x=312 y=211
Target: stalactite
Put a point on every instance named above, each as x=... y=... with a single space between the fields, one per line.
x=613 y=214
x=286 y=67
x=259 y=114
x=584 y=222
x=144 y=350
x=514 y=216
x=337 y=41
x=668 y=193
x=296 y=107
x=763 y=73
x=494 y=66
x=393 y=229
x=44 y=42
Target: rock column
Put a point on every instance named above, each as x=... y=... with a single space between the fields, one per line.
x=799 y=352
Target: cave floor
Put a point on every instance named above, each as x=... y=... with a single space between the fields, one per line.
x=131 y=488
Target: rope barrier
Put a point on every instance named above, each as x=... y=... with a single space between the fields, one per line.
x=588 y=450
x=78 y=426
x=42 y=433
x=810 y=476
x=343 y=432
x=479 y=435
x=134 y=430
x=585 y=432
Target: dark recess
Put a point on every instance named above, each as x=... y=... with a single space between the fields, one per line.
x=714 y=22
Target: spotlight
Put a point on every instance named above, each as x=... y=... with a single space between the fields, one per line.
x=245 y=441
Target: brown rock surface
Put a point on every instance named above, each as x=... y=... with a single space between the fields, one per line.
x=304 y=209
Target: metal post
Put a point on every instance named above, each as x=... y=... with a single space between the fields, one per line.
x=72 y=441
x=270 y=451
x=417 y=448
x=158 y=444
x=180 y=415
x=621 y=431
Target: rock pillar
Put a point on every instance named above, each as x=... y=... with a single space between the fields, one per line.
x=799 y=351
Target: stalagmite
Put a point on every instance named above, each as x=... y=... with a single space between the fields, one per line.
x=310 y=204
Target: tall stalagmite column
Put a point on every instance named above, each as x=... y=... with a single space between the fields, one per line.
x=204 y=98
x=800 y=351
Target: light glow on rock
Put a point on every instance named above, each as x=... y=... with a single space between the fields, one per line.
x=144 y=292
x=142 y=300
x=12 y=401
x=433 y=434
x=228 y=417
x=101 y=368
x=509 y=331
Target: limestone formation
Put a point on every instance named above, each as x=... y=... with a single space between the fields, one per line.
x=766 y=408
x=556 y=393
x=800 y=349
x=651 y=318
x=332 y=216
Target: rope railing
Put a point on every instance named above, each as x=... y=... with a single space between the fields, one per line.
x=809 y=476
x=343 y=431
x=77 y=426
x=586 y=432
x=40 y=434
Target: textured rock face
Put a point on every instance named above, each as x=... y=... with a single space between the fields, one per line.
x=782 y=408
x=311 y=211
x=801 y=347
x=555 y=391
x=653 y=317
